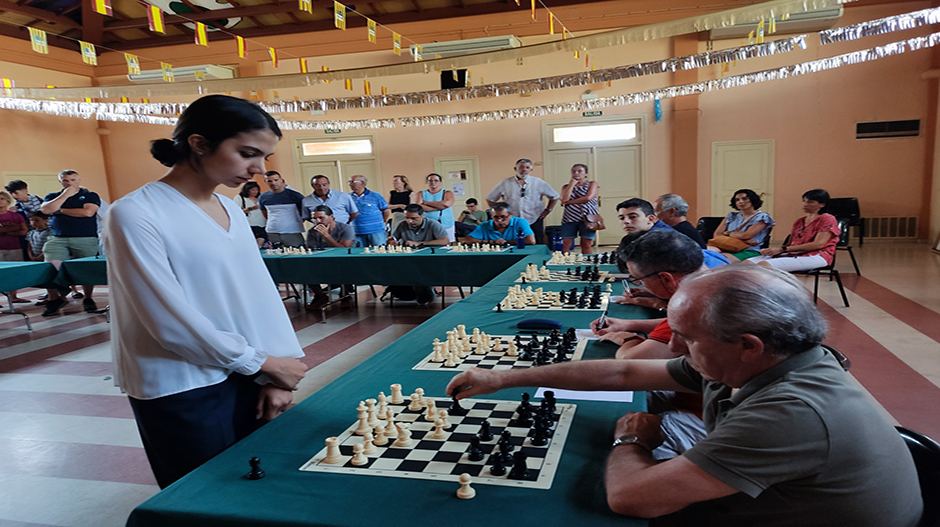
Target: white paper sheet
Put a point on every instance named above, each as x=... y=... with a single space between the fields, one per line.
x=612 y=397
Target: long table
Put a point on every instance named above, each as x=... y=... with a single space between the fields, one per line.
x=217 y=494
x=17 y=275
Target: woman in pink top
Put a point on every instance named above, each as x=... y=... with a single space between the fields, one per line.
x=812 y=241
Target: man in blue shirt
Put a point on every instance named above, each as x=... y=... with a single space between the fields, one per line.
x=373 y=213
x=282 y=209
x=74 y=234
x=342 y=204
x=503 y=228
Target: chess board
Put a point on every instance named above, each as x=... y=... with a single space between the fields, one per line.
x=579 y=259
x=563 y=276
x=468 y=250
x=546 y=305
x=495 y=360
x=446 y=459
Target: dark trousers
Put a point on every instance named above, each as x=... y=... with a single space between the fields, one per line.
x=462 y=229
x=184 y=430
x=538 y=226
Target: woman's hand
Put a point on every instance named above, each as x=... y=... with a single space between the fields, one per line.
x=284 y=372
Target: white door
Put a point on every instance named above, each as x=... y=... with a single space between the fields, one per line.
x=309 y=169
x=739 y=165
x=461 y=176
x=618 y=172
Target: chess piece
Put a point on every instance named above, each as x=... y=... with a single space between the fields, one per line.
x=382 y=413
x=420 y=392
x=257 y=473
x=431 y=413
x=511 y=352
x=456 y=409
x=485 y=433
x=438 y=432
x=443 y=415
x=379 y=438
x=465 y=492
x=404 y=435
x=519 y=468
x=475 y=453
x=369 y=441
x=359 y=458
x=372 y=420
x=332 y=451
x=363 y=423
x=499 y=308
x=415 y=406
x=498 y=469
x=396 y=394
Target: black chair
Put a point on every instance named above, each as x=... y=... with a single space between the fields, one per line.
x=847 y=208
x=926 y=454
x=706 y=226
x=843 y=243
x=829 y=270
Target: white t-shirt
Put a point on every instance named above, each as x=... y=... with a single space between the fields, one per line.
x=183 y=316
x=528 y=207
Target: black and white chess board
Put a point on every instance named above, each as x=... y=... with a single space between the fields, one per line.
x=446 y=459
x=544 y=303
x=499 y=360
x=567 y=275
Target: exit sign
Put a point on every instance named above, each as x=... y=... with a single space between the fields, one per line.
x=333 y=130
x=592 y=114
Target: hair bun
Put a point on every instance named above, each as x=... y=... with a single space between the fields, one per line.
x=164 y=151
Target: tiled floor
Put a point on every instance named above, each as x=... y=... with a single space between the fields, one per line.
x=70 y=454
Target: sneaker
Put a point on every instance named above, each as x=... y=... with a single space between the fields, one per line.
x=77 y=296
x=43 y=296
x=53 y=307
x=89 y=305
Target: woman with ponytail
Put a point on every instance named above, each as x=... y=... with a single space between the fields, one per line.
x=203 y=360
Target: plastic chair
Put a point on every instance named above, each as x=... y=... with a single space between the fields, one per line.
x=926 y=454
x=847 y=208
x=829 y=270
x=706 y=226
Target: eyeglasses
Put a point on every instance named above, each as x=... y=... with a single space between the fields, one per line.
x=639 y=281
x=522 y=192
x=495 y=217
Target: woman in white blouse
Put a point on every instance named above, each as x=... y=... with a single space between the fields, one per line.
x=204 y=360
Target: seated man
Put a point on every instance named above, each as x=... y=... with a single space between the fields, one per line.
x=503 y=228
x=469 y=218
x=416 y=231
x=325 y=233
x=671 y=209
x=637 y=215
x=791 y=438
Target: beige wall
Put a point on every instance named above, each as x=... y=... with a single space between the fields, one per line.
x=811 y=119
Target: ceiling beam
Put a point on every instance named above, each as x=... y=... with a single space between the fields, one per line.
x=92 y=23
x=51 y=38
x=41 y=14
x=210 y=15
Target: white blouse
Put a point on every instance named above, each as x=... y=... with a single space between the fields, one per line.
x=182 y=314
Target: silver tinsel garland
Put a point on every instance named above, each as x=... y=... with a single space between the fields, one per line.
x=879 y=27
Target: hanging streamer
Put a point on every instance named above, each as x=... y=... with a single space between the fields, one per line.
x=133 y=64
x=155 y=19
x=339 y=15
x=38 y=40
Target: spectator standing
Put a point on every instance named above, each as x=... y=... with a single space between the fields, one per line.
x=343 y=206
x=12 y=228
x=36 y=238
x=74 y=225
x=373 y=213
x=26 y=204
x=438 y=204
x=282 y=208
x=247 y=199
x=525 y=194
x=579 y=198
x=399 y=197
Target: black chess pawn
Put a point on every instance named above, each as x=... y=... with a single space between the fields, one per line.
x=255 y=472
x=456 y=409
x=539 y=437
x=519 y=468
x=525 y=404
x=499 y=307
x=505 y=446
x=523 y=280
x=569 y=272
x=485 y=433
x=475 y=453
x=498 y=469
x=524 y=417
x=348 y=250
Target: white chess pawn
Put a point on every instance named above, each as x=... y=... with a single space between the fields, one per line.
x=415 y=406
x=498 y=346
x=443 y=415
x=368 y=440
x=466 y=492
x=511 y=352
x=437 y=356
x=476 y=336
x=449 y=361
x=396 y=394
x=404 y=435
x=461 y=330
x=373 y=419
x=431 y=413
x=438 y=432
x=359 y=458
x=610 y=287
x=332 y=451
x=363 y=423
x=379 y=438
x=383 y=406
x=420 y=392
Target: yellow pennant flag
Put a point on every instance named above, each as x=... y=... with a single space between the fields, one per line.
x=750 y=37
x=339 y=15
x=306 y=5
x=88 y=53
x=201 y=38
x=469 y=82
x=87 y=99
x=240 y=42
x=103 y=7
x=8 y=86
x=303 y=65
x=200 y=76
x=396 y=43
x=760 y=32
x=773 y=25
x=367 y=87
x=551 y=23
x=145 y=100
x=155 y=19
x=533 y=9
x=384 y=90
x=133 y=64
x=418 y=56
x=125 y=99
x=348 y=84
x=577 y=54
x=273 y=53
x=167 y=70
x=324 y=68
x=39 y=41
x=517 y=2
x=371 y=26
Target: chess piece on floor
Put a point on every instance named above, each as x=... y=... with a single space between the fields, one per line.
x=465 y=492
x=256 y=472
x=359 y=458
x=332 y=451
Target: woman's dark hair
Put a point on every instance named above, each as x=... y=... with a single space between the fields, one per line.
x=582 y=165
x=752 y=196
x=245 y=192
x=818 y=195
x=215 y=117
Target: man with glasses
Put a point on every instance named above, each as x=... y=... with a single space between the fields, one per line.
x=525 y=195
x=503 y=228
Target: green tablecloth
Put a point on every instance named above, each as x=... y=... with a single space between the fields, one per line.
x=83 y=271
x=17 y=275
x=216 y=494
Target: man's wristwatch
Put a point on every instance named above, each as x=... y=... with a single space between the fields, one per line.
x=629 y=439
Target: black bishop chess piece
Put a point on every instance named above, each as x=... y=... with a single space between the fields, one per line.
x=255 y=472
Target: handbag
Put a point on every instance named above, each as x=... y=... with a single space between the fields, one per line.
x=729 y=244
x=594 y=222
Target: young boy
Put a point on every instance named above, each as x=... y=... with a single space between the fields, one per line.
x=469 y=219
x=36 y=238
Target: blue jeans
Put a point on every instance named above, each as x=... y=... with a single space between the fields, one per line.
x=371 y=240
x=572 y=230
